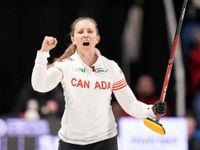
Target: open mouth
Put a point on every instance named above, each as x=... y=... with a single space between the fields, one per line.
x=86 y=43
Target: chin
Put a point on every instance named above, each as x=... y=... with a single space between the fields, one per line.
x=87 y=48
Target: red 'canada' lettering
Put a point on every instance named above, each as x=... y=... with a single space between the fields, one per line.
x=86 y=84
x=102 y=85
x=80 y=83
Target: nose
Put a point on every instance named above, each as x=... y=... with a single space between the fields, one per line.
x=85 y=34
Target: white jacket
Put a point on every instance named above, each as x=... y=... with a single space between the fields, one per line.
x=88 y=115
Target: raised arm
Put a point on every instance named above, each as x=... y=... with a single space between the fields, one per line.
x=45 y=78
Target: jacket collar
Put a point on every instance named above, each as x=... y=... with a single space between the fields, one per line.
x=75 y=56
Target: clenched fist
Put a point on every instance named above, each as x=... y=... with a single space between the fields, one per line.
x=48 y=43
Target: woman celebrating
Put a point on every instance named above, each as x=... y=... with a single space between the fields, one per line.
x=88 y=80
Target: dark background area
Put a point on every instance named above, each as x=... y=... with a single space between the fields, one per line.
x=25 y=23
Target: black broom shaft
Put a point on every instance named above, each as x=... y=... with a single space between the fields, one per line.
x=172 y=52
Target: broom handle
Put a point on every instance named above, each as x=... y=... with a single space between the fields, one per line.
x=172 y=53
x=172 y=56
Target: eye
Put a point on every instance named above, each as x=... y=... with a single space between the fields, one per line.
x=80 y=32
x=90 y=31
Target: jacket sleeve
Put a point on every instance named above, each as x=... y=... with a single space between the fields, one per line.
x=131 y=105
x=126 y=98
x=44 y=78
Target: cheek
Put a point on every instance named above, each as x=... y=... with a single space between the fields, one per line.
x=76 y=39
x=95 y=41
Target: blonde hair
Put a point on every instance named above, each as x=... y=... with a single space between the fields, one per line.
x=71 y=48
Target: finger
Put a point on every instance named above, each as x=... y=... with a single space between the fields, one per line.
x=55 y=41
x=51 y=41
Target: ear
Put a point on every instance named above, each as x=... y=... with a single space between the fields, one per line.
x=98 y=39
x=72 y=39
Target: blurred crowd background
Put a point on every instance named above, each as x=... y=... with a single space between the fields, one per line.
x=134 y=33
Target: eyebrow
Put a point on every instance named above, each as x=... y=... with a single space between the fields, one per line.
x=86 y=28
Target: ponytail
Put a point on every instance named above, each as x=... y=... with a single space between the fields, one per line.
x=68 y=52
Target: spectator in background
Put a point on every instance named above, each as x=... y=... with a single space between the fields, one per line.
x=194 y=63
x=32 y=110
x=193 y=139
x=50 y=103
x=194 y=74
x=51 y=108
x=145 y=90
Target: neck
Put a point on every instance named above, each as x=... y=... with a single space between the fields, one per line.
x=89 y=58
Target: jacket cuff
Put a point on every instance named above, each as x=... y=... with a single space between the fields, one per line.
x=41 y=58
x=150 y=112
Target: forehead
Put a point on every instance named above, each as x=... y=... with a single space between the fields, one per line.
x=86 y=23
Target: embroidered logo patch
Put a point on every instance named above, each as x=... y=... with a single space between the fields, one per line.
x=81 y=69
x=100 y=70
